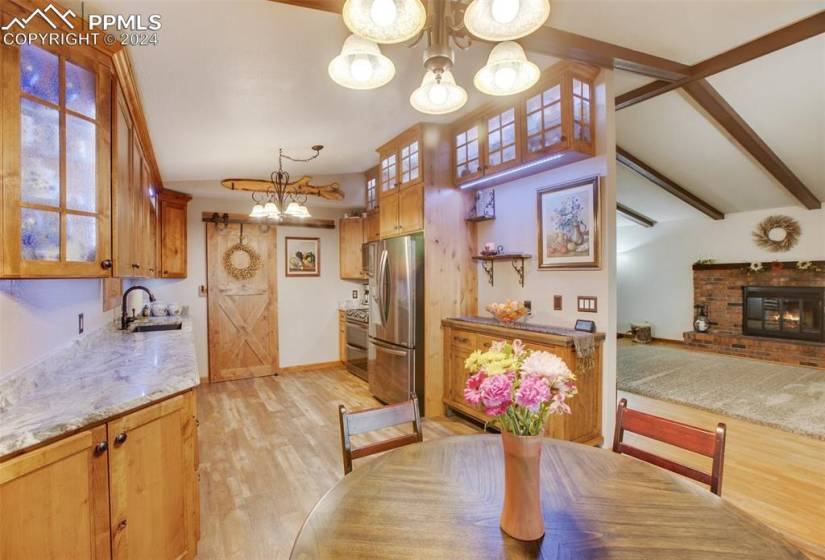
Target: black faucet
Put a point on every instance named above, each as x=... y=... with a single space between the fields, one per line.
x=124 y=317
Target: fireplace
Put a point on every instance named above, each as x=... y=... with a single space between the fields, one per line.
x=784 y=312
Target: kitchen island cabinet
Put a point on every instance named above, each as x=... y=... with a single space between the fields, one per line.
x=462 y=336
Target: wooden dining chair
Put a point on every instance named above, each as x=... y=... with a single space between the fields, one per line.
x=704 y=442
x=354 y=423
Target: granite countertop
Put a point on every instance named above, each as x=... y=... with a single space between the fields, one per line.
x=106 y=373
x=529 y=327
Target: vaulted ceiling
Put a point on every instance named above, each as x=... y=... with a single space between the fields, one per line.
x=231 y=81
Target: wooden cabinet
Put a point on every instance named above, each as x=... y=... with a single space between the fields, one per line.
x=371 y=188
x=172 y=231
x=151 y=479
x=372 y=227
x=411 y=209
x=388 y=216
x=54 y=501
x=583 y=425
x=350 y=240
x=388 y=169
x=342 y=336
x=401 y=208
x=550 y=125
x=55 y=194
x=127 y=489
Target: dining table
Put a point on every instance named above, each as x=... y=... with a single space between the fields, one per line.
x=442 y=499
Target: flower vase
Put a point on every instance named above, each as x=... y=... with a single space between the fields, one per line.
x=521 y=515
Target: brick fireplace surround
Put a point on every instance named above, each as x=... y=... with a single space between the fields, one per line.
x=719 y=286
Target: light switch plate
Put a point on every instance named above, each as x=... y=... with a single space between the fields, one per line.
x=556 y=303
x=587 y=304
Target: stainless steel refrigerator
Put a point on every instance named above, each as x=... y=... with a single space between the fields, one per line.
x=395 y=365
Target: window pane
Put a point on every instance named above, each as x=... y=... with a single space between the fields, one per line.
x=552 y=115
x=405 y=164
x=405 y=151
x=461 y=139
x=39 y=153
x=577 y=87
x=577 y=131
x=533 y=123
x=473 y=166
x=552 y=95
x=80 y=164
x=81 y=238
x=414 y=148
x=552 y=136
x=495 y=158
x=586 y=112
x=472 y=149
x=405 y=177
x=80 y=90
x=534 y=143
x=586 y=90
x=38 y=73
x=494 y=139
x=39 y=235
x=461 y=154
x=508 y=116
x=472 y=134
x=577 y=109
x=494 y=123
x=509 y=153
x=534 y=104
x=509 y=134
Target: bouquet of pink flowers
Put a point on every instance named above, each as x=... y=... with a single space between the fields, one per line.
x=519 y=387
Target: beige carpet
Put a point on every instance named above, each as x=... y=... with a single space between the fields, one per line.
x=787 y=397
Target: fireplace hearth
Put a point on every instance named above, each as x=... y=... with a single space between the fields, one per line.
x=787 y=312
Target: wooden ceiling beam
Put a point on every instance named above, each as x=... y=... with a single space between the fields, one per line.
x=766 y=44
x=715 y=105
x=564 y=44
x=334 y=6
x=635 y=164
x=634 y=216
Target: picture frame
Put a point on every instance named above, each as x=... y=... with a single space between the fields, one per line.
x=569 y=225
x=302 y=256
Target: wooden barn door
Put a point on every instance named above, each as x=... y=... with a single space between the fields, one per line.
x=243 y=320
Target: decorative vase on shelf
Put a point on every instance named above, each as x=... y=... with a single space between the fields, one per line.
x=521 y=515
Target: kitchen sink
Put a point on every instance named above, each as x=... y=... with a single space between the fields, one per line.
x=158 y=327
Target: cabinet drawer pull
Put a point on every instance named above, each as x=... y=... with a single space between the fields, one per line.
x=461 y=339
x=106 y=264
x=101 y=447
x=120 y=439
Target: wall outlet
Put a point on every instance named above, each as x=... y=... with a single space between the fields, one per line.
x=80 y=323
x=556 y=303
x=528 y=305
x=202 y=291
x=355 y=294
x=587 y=304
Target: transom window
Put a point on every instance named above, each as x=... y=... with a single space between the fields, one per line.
x=409 y=162
x=467 y=160
x=58 y=158
x=501 y=138
x=544 y=119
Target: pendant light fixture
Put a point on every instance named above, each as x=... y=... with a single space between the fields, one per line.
x=271 y=204
x=505 y=20
x=361 y=65
x=507 y=71
x=385 y=21
x=438 y=94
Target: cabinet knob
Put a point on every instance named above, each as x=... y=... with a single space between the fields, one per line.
x=106 y=264
x=120 y=438
x=101 y=447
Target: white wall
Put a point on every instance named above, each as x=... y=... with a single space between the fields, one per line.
x=515 y=228
x=307 y=307
x=39 y=316
x=655 y=278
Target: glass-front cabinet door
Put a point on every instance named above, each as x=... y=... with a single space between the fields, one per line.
x=467 y=151
x=56 y=164
x=410 y=156
x=388 y=172
x=543 y=130
x=501 y=148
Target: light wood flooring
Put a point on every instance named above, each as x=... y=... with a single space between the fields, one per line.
x=270 y=448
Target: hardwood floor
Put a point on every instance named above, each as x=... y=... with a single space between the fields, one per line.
x=776 y=476
x=270 y=448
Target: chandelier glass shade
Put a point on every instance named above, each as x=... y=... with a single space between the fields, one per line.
x=505 y=20
x=385 y=21
x=438 y=95
x=361 y=65
x=507 y=71
x=277 y=201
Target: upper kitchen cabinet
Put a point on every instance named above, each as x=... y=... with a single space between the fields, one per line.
x=550 y=125
x=401 y=207
x=351 y=237
x=56 y=161
x=402 y=161
x=172 y=231
x=372 y=224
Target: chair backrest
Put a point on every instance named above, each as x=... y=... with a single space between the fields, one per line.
x=704 y=442
x=354 y=423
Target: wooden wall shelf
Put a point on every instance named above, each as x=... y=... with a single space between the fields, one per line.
x=480 y=219
x=516 y=259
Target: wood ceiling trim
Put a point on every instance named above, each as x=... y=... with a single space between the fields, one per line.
x=715 y=105
x=634 y=216
x=766 y=44
x=334 y=6
x=635 y=164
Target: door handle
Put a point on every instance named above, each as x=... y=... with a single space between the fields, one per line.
x=382 y=277
x=356 y=348
x=391 y=351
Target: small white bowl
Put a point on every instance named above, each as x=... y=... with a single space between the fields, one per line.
x=158 y=309
x=174 y=309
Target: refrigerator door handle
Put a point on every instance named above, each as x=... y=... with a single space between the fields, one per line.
x=389 y=349
x=383 y=271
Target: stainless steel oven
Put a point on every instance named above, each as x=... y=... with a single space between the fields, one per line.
x=357 y=339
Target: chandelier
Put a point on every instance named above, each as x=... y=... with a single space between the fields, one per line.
x=272 y=202
x=445 y=24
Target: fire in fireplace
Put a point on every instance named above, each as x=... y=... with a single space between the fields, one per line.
x=784 y=312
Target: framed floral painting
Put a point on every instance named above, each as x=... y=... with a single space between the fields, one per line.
x=569 y=219
x=303 y=256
